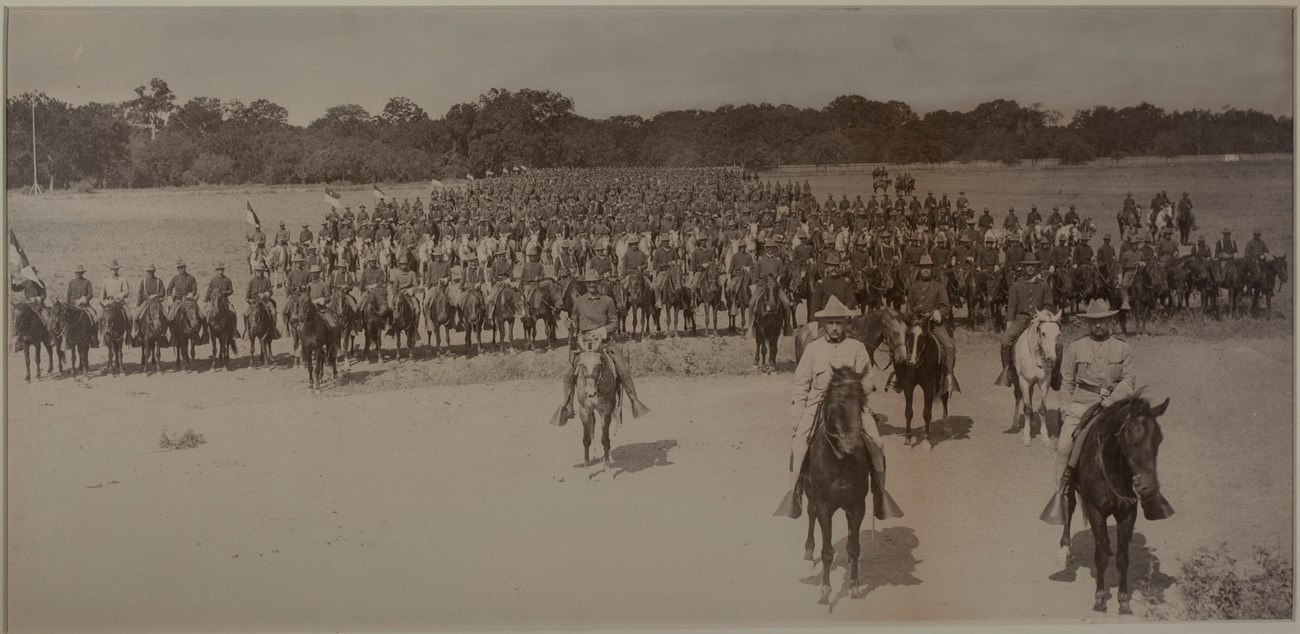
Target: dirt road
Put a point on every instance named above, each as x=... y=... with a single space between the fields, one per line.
x=399 y=505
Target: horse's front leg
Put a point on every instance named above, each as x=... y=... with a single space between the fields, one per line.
x=854 y=549
x=907 y=414
x=824 y=516
x=1100 y=557
x=1124 y=531
x=27 y=358
x=604 y=439
x=927 y=410
x=809 y=544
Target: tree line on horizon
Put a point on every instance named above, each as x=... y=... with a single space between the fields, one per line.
x=152 y=141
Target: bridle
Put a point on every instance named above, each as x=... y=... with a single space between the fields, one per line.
x=1101 y=459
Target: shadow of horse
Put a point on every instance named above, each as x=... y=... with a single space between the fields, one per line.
x=886 y=561
x=1143 y=568
x=951 y=428
x=641 y=456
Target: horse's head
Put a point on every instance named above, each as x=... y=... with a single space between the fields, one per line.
x=1046 y=329
x=1139 y=436
x=845 y=396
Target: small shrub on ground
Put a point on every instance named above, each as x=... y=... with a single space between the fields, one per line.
x=1214 y=587
x=187 y=440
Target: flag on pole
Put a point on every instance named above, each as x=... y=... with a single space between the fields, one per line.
x=251 y=216
x=379 y=193
x=18 y=260
x=437 y=183
x=333 y=198
x=469 y=177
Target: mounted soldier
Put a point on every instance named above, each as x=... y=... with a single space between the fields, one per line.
x=767 y=271
x=1225 y=250
x=1071 y=217
x=258 y=290
x=80 y=292
x=114 y=290
x=812 y=377
x=927 y=298
x=594 y=315
x=1024 y=299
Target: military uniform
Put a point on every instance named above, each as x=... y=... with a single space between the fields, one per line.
x=1025 y=298
x=923 y=298
x=259 y=290
x=593 y=317
x=1092 y=372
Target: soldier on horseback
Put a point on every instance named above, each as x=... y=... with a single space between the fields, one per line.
x=767 y=270
x=151 y=288
x=80 y=293
x=594 y=315
x=1130 y=260
x=375 y=291
x=1071 y=217
x=219 y=288
x=927 y=298
x=259 y=290
x=1201 y=250
x=113 y=291
x=320 y=294
x=34 y=294
x=182 y=287
x=1096 y=370
x=1225 y=250
x=812 y=377
x=1024 y=299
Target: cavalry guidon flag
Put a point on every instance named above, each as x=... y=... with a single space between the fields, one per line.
x=469 y=177
x=18 y=260
x=437 y=183
x=251 y=216
x=379 y=193
x=333 y=198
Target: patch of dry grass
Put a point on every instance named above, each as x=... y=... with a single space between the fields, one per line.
x=187 y=440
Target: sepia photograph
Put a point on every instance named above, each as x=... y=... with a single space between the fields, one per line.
x=429 y=318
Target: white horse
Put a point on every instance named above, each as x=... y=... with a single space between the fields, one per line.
x=1035 y=360
x=1069 y=232
x=1161 y=220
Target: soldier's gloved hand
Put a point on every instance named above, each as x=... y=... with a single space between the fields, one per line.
x=936 y=316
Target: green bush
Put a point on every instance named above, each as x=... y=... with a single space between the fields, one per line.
x=1213 y=587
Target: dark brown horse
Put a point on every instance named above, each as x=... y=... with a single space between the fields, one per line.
x=153 y=335
x=374 y=316
x=184 y=326
x=116 y=326
x=503 y=317
x=1117 y=469
x=405 y=321
x=838 y=474
x=708 y=294
x=345 y=306
x=438 y=316
x=34 y=333
x=641 y=303
x=318 y=341
x=922 y=368
x=738 y=300
x=473 y=313
x=962 y=286
x=223 y=329
x=260 y=328
x=768 y=318
x=76 y=327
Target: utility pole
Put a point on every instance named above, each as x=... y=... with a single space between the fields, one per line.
x=36 y=187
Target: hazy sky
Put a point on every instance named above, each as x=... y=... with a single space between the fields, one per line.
x=642 y=61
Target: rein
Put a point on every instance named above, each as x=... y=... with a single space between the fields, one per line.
x=1101 y=459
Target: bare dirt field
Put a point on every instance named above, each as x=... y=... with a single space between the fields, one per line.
x=433 y=493
x=398 y=504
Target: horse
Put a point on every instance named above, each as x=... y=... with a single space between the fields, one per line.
x=597 y=396
x=259 y=325
x=882 y=326
x=1141 y=297
x=373 y=320
x=1186 y=224
x=708 y=293
x=1161 y=219
x=963 y=286
x=117 y=324
x=223 y=329
x=318 y=341
x=1063 y=287
x=614 y=290
x=675 y=299
x=503 y=316
x=995 y=296
x=1090 y=283
x=345 y=305
x=473 y=315
x=738 y=300
x=839 y=472
x=1269 y=272
x=921 y=368
x=405 y=321
x=1035 y=357
x=768 y=320
x=1117 y=468
x=1199 y=278
x=438 y=316
x=641 y=302
x=153 y=334
x=76 y=327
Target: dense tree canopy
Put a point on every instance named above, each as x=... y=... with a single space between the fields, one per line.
x=150 y=141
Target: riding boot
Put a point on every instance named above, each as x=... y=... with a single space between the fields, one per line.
x=639 y=409
x=950 y=385
x=1055 y=512
x=791 y=505
x=1005 y=379
x=565 y=412
x=883 y=506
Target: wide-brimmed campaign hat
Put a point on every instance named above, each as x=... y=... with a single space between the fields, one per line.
x=151 y=268
x=835 y=309
x=1030 y=260
x=261 y=266
x=591 y=276
x=831 y=258
x=220 y=266
x=114 y=265
x=1098 y=309
x=180 y=263
x=926 y=260
x=315 y=268
x=81 y=268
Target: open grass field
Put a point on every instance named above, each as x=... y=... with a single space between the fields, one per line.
x=431 y=493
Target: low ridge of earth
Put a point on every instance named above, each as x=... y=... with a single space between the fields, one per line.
x=389 y=501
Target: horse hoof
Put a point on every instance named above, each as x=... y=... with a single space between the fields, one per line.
x=1125 y=609
x=1026 y=441
x=826 y=596
x=1099 y=606
x=924 y=444
x=808 y=556
x=1063 y=556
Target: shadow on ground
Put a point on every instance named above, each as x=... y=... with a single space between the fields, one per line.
x=1143 y=568
x=888 y=560
x=640 y=456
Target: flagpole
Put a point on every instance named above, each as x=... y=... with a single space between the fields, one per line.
x=36 y=186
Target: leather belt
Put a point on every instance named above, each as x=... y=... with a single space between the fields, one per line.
x=1088 y=388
